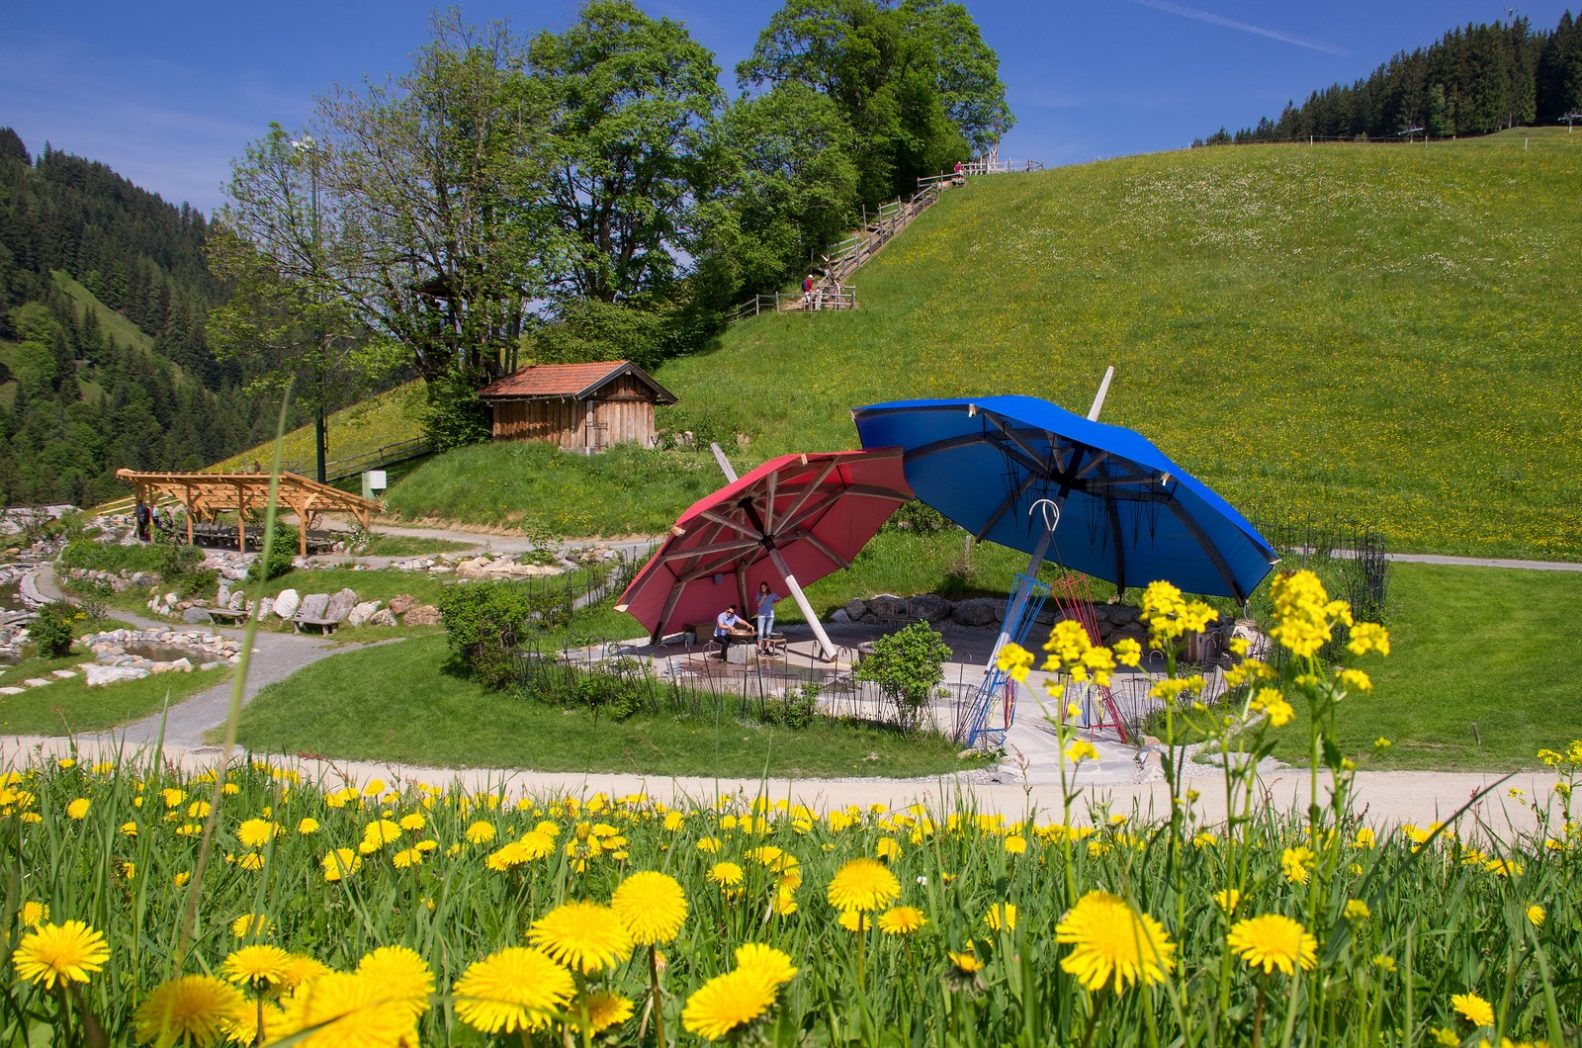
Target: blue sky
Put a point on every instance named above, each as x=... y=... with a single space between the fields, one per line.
x=168 y=93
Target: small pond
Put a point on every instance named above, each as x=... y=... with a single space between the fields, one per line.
x=164 y=652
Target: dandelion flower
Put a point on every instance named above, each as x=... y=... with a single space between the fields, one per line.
x=342 y=862
x=480 y=832
x=1357 y=910
x=57 y=954
x=901 y=920
x=774 y=965
x=1227 y=900
x=339 y=1009
x=255 y=833
x=301 y=968
x=1473 y=1008
x=251 y=925
x=1113 y=943
x=1273 y=941
x=407 y=857
x=652 y=905
x=726 y=874
x=255 y=1023
x=308 y=826
x=1296 y=862
x=34 y=913
x=605 y=1009
x=405 y=976
x=727 y=1002
x=516 y=988
x=863 y=885
x=196 y=1008
x=261 y=966
x=413 y=822
x=965 y=961
x=78 y=809
x=585 y=936
x=1535 y=915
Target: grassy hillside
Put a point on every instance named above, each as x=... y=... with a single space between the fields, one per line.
x=113 y=324
x=1384 y=334
x=388 y=418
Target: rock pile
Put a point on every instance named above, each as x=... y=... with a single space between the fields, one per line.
x=495 y=566
x=117 y=658
x=1116 y=621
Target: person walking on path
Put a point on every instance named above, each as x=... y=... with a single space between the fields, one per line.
x=767 y=598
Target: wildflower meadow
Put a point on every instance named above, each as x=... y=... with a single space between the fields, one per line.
x=245 y=905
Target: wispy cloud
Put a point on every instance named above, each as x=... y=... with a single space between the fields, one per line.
x=1197 y=14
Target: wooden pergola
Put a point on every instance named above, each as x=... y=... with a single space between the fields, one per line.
x=207 y=494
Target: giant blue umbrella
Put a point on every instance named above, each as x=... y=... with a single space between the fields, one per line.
x=1126 y=512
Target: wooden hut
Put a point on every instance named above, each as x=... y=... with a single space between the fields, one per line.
x=581 y=407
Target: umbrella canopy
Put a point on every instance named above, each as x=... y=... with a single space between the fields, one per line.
x=1127 y=513
x=794 y=519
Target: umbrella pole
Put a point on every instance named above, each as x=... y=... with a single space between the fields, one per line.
x=802 y=602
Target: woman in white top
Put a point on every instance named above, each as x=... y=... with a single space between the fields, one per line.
x=766 y=616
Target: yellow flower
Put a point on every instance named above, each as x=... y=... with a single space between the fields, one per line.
x=1384 y=962
x=1113 y=944
x=57 y=954
x=1473 y=1008
x=605 y=1009
x=727 y=1002
x=128 y=829
x=308 y=826
x=888 y=848
x=1447 y=1038
x=342 y=862
x=726 y=874
x=584 y=936
x=301 y=968
x=1016 y=845
x=1127 y=651
x=1081 y=750
x=406 y=977
x=413 y=822
x=1304 y=615
x=652 y=905
x=193 y=1008
x=853 y=921
x=1381 y=743
x=261 y=966
x=480 y=832
x=251 y=925
x=182 y=878
x=1227 y=900
x=966 y=961
x=1356 y=680
x=1296 y=862
x=863 y=885
x=1357 y=910
x=708 y=845
x=407 y=857
x=255 y=833
x=901 y=920
x=1001 y=915
x=338 y=1009
x=1273 y=941
x=1368 y=636
x=78 y=809
x=33 y=913
x=766 y=961
x=1272 y=705
x=1014 y=661
x=1535 y=915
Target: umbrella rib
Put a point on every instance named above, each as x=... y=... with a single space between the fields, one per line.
x=947 y=444
x=819 y=544
x=1004 y=507
x=1032 y=452
x=829 y=467
x=704 y=551
x=769 y=502
x=1220 y=564
x=745 y=529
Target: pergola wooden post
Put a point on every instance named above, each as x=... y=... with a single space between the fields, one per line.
x=205 y=494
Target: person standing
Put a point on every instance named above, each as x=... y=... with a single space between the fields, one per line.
x=807 y=290
x=767 y=598
x=726 y=623
x=141 y=517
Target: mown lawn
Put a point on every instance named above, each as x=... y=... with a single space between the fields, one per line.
x=68 y=707
x=1340 y=332
x=407 y=702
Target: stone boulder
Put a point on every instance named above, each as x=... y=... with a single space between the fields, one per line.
x=313 y=606
x=978 y=611
x=401 y=603
x=340 y=605
x=238 y=601
x=360 y=614
x=197 y=615
x=96 y=676
x=422 y=615
x=1117 y=614
x=889 y=606
x=856 y=608
x=266 y=607
x=839 y=615
x=383 y=617
x=930 y=607
x=287 y=602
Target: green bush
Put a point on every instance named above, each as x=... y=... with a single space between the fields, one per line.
x=907 y=666
x=284 y=547
x=796 y=710
x=486 y=622
x=54 y=628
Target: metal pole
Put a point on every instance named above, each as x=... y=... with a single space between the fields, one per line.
x=802 y=602
x=725 y=463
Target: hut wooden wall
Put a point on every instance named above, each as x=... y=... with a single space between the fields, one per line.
x=622 y=413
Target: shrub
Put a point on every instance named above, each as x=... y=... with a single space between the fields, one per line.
x=487 y=621
x=53 y=629
x=284 y=547
x=796 y=709
x=907 y=666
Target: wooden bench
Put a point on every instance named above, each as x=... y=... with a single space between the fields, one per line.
x=227 y=615
x=327 y=626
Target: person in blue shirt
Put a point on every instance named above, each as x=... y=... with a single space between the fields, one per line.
x=726 y=623
x=767 y=598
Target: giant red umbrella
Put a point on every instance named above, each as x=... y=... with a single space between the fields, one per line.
x=792 y=520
